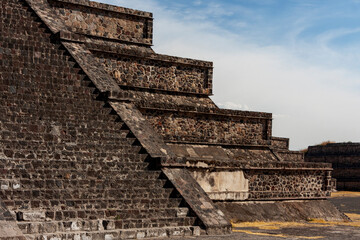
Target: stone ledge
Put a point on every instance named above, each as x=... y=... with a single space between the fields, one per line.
x=151 y=56
x=223 y=113
x=108 y=7
x=114 y=17
x=245 y=165
x=222 y=144
x=297 y=210
x=288 y=151
x=73 y=37
x=334 y=149
x=280 y=143
x=223 y=196
x=164 y=91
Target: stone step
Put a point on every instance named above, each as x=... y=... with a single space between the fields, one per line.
x=95 y=207
x=79 y=194
x=90 y=170
x=104 y=170
x=93 y=186
x=148 y=233
x=87 y=161
x=115 y=194
x=147 y=179
x=106 y=206
x=17 y=167
x=41 y=227
x=65 y=178
x=117 y=214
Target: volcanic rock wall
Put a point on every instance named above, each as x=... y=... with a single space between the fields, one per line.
x=345 y=159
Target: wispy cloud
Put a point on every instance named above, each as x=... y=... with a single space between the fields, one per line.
x=232 y=105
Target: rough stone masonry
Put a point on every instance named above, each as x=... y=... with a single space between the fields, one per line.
x=345 y=159
x=102 y=138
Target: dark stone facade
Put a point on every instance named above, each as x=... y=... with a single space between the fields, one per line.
x=100 y=136
x=345 y=159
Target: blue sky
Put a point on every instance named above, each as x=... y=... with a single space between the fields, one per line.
x=298 y=59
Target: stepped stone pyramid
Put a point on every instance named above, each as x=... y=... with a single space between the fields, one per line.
x=102 y=138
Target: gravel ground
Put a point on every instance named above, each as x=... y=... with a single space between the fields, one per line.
x=347 y=203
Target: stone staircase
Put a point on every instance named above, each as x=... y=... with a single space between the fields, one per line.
x=124 y=195
x=123 y=198
x=70 y=167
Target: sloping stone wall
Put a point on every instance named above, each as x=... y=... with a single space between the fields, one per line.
x=101 y=20
x=287 y=184
x=197 y=127
x=156 y=73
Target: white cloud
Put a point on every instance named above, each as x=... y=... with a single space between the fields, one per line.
x=310 y=90
x=231 y=105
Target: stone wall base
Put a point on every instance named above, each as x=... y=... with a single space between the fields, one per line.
x=296 y=210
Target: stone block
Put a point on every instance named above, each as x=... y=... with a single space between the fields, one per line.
x=176 y=232
x=152 y=233
x=182 y=212
x=140 y=234
x=196 y=231
x=34 y=216
x=109 y=237
x=49 y=227
x=128 y=234
x=5 y=185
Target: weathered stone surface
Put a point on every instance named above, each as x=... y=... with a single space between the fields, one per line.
x=223 y=185
x=43 y=11
x=280 y=143
x=101 y=20
x=157 y=72
x=267 y=184
x=8 y=226
x=281 y=211
x=150 y=140
x=198 y=200
x=88 y=63
x=209 y=128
